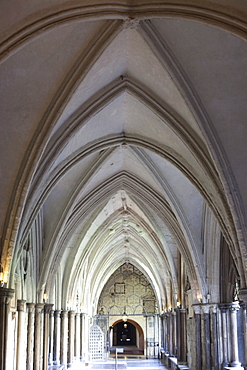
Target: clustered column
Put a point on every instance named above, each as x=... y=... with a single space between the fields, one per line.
x=229 y=334
x=174 y=338
x=53 y=337
x=5 y=297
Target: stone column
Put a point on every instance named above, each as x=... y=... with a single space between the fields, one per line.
x=234 y=307
x=20 y=335
x=5 y=297
x=214 y=337
x=224 y=334
x=51 y=337
x=38 y=337
x=207 y=336
x=30 y=335
x=243 y=298
x=71 y=351
x=47 y=309
x=245 y=331
x=183 y=351
x=82 y=327
x=166 y=333
x=77 y=336
x=174 y=334
x=170 y=348
x=57 y=337
x=64 y=338
x=197 y=310
x=178 y=334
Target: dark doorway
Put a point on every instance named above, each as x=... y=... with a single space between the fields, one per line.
x=124 y=334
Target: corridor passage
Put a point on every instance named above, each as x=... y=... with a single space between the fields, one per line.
x=129 y=364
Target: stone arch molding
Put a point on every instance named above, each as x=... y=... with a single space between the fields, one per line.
x=20 y=39
x=212 y=14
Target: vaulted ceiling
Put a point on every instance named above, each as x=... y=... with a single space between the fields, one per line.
x=120 y=123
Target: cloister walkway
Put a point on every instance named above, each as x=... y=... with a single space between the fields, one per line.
x=129 y=364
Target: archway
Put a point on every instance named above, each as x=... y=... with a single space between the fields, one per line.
x=129 y=336
x=124 y=334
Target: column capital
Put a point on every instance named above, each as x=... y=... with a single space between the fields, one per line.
x=48 y=307
x=6 y=294
x=57 y=313
x=30 y=306
x=64 y=313
x=234 y=306
x=21 y=304
x=39 y=307
x=231 y=306
x=71 y=313
x=224 y=307
x=243 y=295
x=197 y=308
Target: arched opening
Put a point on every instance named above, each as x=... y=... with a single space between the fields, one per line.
x=129 y=336
x=124 y=334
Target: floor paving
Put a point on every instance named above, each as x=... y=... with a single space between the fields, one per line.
x=129 y=364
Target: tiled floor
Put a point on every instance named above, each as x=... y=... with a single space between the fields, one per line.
x=129 y=364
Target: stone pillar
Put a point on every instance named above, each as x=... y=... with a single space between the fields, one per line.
x=224 y=334
x=234 y=307
x=178 y=334
x=207 y=336
x=5 y=297
x=51 y=337
x=77 y=336
x=197 y=310
x=64 y=338
x=170 y=322
x=183 y=322
x=38 y=337
x=46 y=334
x=71 y=350
x=181 y=335
x=30 y=335
x=20 y=334
x=245 y=331
x=214 y=337
x=243 y=298
x=166 y=332
x=81 y=333
x=174 y=334
x=57 y=337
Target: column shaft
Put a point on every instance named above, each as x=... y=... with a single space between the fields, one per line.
x=224 y=334
x=46 y=332
x=57 y=337
x=64 y=338
x=234 y=334
x=81 y=333
x=198 y=345
x=77 y=336
x=71 y=338
x=30 y=335
x=207 y=341
x=5 y=296
x=38 y=338
x=20 y=335
x=51 y=337
x=183 y=351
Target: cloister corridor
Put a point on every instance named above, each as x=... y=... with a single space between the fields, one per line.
x=123 y=196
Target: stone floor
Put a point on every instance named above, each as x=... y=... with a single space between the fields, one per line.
x=129 y=364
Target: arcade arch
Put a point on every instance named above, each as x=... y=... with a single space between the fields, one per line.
x=123 y=143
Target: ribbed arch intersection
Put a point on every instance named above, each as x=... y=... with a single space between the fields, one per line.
x=140 y=128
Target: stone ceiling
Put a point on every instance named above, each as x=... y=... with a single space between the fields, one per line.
x=119 y=124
